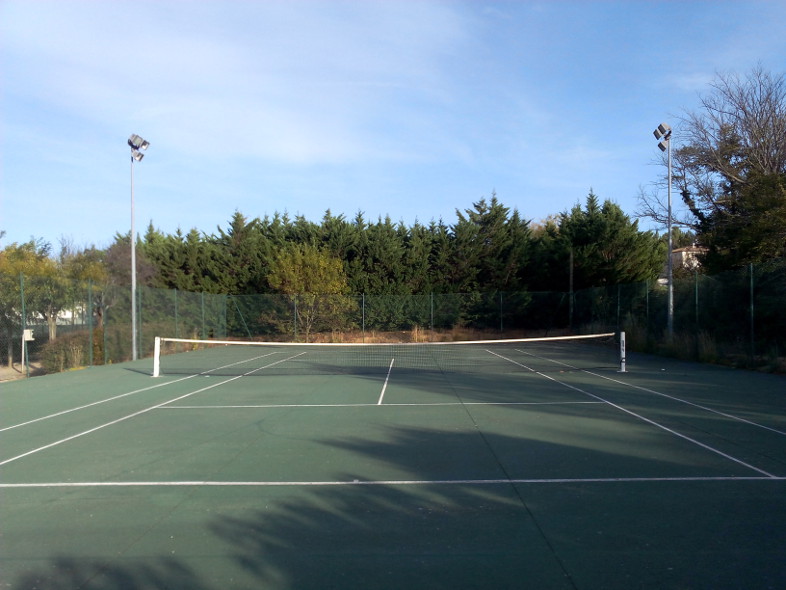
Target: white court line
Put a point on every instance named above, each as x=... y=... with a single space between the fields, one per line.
x=122 y=395
x=392 y=482
x=660 y=393
x=140 y=412
x=385 y=386
x=103 y=401
x=640 y=417
x=388 y=405
x=695 y=405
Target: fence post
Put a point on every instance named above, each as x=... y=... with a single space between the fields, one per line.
x=619 y=305
x=753 y=335
x=25 y=361
x=570 y=290
x=90 y=320
x=431 y=309
x=501 y=327
x=202 y=305
x=139 y=323
x=294 y=322
x=104 y=326
x=696 y=295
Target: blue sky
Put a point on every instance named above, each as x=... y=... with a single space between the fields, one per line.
x=411 y=109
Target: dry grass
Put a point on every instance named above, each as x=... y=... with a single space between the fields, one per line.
x=420 y=334
x=703 y=348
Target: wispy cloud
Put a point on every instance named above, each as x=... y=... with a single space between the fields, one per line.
x=295 y=82
x=409 y=108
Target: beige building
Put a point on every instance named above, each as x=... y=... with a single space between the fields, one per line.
x=687 y=258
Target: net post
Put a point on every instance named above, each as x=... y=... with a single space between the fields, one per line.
x=157 y=357
x=622 y=352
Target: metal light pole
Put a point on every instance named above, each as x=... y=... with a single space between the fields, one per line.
x=138 y=145
x=663 y=133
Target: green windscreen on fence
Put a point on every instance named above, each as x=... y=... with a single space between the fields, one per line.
x=74 y=323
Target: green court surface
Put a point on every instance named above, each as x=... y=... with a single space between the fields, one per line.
x=669 y=475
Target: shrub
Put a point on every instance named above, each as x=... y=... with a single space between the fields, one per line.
x=70 y=351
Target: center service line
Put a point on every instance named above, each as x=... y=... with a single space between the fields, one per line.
x=385 y=386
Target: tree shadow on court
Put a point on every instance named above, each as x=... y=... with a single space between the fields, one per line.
x=390 y=537
x=467 y=534
x=438 y=527
x=69 y=573
x=358 y=535
x=372 y=534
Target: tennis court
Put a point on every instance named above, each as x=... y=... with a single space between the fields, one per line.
x=483 y=466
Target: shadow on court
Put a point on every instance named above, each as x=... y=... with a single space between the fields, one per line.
x=687 y=532
x=560 y=535
x=69 y=573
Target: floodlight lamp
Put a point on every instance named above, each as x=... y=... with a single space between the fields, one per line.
x=137 y=155
x=657 y=134
x=663 y=145
x=664 y=128
x=138 y=143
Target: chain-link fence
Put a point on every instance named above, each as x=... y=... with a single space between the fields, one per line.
x=53 y=324
x=737 y=315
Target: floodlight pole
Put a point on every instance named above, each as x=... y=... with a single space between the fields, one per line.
x=670 y=261
x=136 y=143
x=664 y=131
x=133 y=269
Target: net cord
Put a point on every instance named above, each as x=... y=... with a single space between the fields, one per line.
x=159 y=340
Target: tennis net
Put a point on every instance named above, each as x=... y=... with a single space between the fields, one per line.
x=179 y=356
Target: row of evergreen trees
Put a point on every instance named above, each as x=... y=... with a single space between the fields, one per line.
x=489 y=248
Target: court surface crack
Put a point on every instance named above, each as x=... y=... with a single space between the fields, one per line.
x=516 y=491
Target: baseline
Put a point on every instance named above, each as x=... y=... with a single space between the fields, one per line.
x=392 y=482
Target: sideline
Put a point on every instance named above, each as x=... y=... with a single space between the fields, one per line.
x=661 y=394
x=55 y=415
x=140 y=412
x=639 y=416
x=103 y=401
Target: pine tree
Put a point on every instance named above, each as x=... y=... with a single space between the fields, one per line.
x=605 y=246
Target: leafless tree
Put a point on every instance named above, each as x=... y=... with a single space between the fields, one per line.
x=738 y=134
